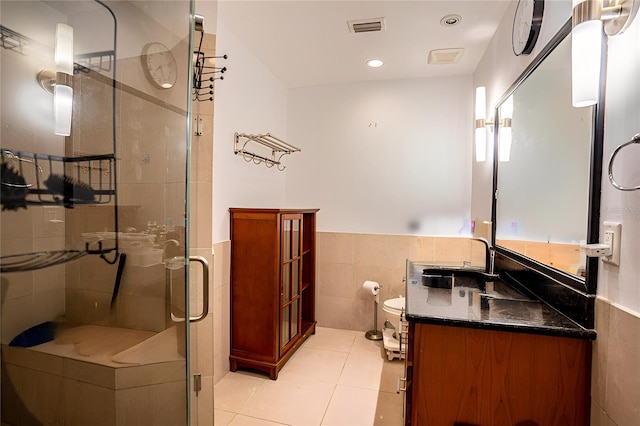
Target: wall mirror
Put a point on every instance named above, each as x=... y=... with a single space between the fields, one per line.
x=545 y=170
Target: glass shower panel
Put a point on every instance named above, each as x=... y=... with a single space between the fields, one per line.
x=94 y=221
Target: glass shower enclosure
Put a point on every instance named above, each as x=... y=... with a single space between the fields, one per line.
x=95 y=124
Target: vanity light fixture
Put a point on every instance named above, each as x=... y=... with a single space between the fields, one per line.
x=58 y=83
x=375 y=63
x=484 y=128
x=504 y=142
x=589 y=19
x=481 y=130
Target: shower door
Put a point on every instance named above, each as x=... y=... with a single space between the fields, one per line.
x=95 y=253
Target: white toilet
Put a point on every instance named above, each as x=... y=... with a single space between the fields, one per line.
x=393 y=311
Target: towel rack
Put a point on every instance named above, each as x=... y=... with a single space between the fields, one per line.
x=635 y=139
x=246 y=145
x=204 y=74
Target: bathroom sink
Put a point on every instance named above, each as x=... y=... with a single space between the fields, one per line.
x=489 y=287
x=446 y=277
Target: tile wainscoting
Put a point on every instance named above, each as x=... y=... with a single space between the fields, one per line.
x=615 y=377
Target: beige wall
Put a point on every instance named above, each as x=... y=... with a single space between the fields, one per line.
x=615 y=381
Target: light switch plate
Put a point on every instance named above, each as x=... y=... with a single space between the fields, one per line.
x=612 y=237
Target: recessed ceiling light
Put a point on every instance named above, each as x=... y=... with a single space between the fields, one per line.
x=451 y=20
x=375 y=63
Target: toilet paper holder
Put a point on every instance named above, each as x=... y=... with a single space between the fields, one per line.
x=374 y=288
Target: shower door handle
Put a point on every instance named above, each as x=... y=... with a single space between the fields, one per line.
x=205 y=291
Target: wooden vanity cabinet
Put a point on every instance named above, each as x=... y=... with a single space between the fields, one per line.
x=468 y=376
x=272 y=286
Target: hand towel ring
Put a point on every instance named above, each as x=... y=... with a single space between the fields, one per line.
x=635 y=139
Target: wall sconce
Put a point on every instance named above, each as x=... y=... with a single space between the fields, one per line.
x=589 y=18
x=486 y=127
x=58 y=83
x=481 y=123
x=506 y=114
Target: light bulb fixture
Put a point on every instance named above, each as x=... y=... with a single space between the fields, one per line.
x=58 y=83
x=589 y=19
x=63 y=92
x=375 y=63
x=64 y=49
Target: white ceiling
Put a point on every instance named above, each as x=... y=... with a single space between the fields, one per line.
x=308 y=42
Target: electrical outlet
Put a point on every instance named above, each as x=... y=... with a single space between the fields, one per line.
x=612 y=237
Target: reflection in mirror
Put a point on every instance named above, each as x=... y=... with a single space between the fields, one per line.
x=543 y=172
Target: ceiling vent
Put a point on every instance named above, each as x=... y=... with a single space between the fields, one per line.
x=445 y=56
x=366 y=25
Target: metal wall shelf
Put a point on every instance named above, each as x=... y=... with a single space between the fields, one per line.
x=246 y=145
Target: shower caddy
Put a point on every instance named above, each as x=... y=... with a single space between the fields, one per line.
x=55 y=181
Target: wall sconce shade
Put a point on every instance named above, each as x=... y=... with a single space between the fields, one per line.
x=506 y=116
x=64 y=49
x=586 y=42
x=62 y=107
x=481 y=144
x=504 y=151
x=62 y=92
x=586 y=52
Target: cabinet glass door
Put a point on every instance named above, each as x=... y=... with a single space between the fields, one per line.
x=290 y=293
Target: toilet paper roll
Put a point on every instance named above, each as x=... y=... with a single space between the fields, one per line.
x=372 y=287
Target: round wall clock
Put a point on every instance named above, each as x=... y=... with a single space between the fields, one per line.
x=159 y=65
x=526 y=26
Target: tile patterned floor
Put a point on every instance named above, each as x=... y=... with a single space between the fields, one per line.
x=337 y=378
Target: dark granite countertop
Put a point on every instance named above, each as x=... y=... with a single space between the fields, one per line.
x=465 y=297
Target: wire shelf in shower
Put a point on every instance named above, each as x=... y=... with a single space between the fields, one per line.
x=41 y=179
x=33 y=261
x=13 y=40
x=95 y=61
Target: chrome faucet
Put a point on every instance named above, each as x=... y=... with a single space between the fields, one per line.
x=489 y=256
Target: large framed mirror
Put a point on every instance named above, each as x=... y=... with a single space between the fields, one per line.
x=547 y=169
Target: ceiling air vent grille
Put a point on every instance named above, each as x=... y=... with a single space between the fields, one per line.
x=366 y=25
x=445 y=56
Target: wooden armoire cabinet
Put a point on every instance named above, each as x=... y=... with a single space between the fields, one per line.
x=273 y=264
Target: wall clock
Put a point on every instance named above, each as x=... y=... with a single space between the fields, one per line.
x=159 y=65
x=526 y=26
